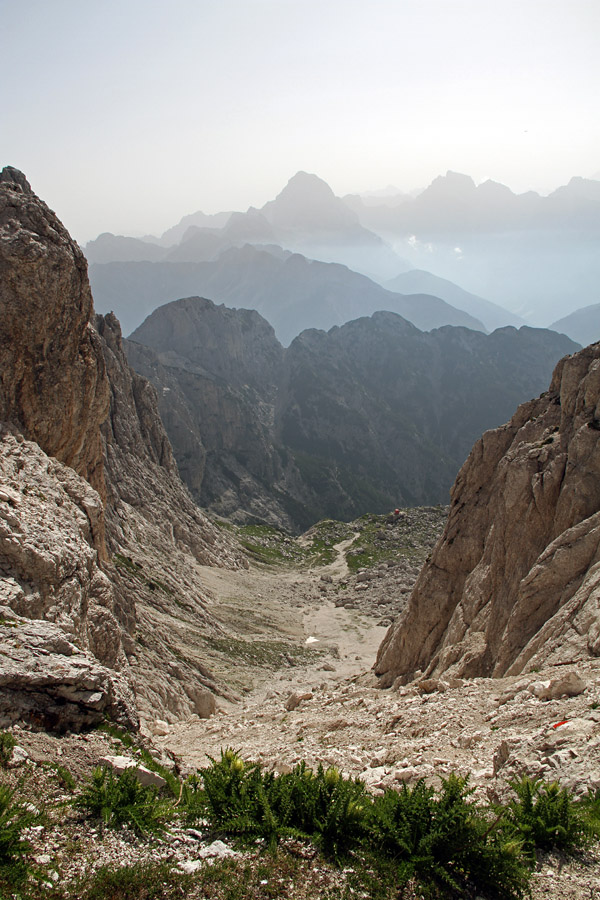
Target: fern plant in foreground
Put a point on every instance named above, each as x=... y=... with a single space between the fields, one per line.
x=121 y=800
x=446 y=843
x=15 y=817
x=545 y=817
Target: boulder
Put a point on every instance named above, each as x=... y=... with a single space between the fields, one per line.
x=120 y=764
x=569 y=684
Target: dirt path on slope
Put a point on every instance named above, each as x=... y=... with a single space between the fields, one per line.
x=279 y=630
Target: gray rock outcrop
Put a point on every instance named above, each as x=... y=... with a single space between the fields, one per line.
x=62 y=663
x=159 y=541
x=101 y=546
x=514 y=582
x=53 y=382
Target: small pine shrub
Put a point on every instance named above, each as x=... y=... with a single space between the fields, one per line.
x=545 y=817
x=7 y=744
x=121 y=800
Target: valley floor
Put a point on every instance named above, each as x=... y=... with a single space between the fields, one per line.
x=297 y=647
x=327 y=709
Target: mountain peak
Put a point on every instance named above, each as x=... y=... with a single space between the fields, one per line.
x=306 y=184
x=451 y=183
x=10 y=175
x=308 y=202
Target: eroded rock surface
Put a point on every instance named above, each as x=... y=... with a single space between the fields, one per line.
x=60 y=636
x=99 y=540
x=514 y=581
x=53 y=381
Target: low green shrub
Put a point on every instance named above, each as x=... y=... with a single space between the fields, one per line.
x=589 y=808
x=140 y=881
x=120 y=799
x=7 y=744
x=321 y=805
x=66 y=779
x=446 y=843
x=15 y=817
x=545 y=817
x=131 y=743
x=239 y=799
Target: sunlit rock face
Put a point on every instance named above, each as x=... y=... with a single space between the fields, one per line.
x=53 y=380
x=514 y=581
x=87 y=481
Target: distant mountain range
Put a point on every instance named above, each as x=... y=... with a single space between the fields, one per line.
x=364 y=417
x=453 y=204
x=533 y=257
x=292 y=292
x=582 y=326
x=416 y=281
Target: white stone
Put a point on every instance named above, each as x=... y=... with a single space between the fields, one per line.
x=161 y=728
x=569 y=684
x=189 y=866
x=216 y=849
x=120 y=763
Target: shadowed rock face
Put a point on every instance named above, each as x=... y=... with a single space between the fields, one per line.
x=514 y=581
x=359 y=419
x=53 y=380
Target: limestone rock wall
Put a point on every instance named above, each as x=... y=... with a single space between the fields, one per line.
x=101 y=545
x=514 y=581
x=61 y=661
x=141 y=472
x=159 y=542
x=53 y=380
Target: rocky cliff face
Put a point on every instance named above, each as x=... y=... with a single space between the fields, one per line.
x=361 y=418
x=52 y=376
x=159 y=541
x=514 y=582
x=62 y=663
x=101 y=546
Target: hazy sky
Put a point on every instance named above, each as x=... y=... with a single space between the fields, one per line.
x=127 y=114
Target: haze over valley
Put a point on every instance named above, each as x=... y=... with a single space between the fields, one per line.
x=498 y=257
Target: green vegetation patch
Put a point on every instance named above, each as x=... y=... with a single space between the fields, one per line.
x=410 y=535
x=273 y=547
x=306 y=835
x=382 y=538
x=263 y=653
x=323 y=538
x=117 y=800
x=270 y=546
